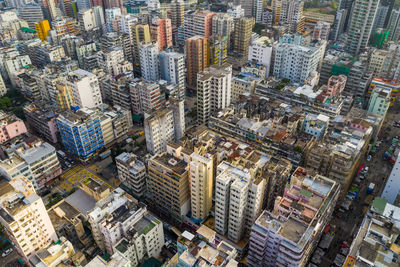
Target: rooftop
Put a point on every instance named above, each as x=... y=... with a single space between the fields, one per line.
x=377 y=240
x=81 y=201
x=168 y=161
x=207 y=252
x=293 y=230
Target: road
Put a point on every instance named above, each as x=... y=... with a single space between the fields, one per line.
x=348 y=224
x=10 y=259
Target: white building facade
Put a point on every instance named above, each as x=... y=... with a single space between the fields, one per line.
x=159 y=130
x=213 y=90
x=260 y=51
x=149 y=61
x=85 y=87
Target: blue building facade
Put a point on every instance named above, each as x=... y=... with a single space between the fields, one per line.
x=81 y=133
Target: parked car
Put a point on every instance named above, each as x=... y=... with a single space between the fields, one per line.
x=5 y=253
x=364 y=171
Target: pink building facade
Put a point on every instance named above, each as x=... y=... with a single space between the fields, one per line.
x=198 y=23
x=161 y=32
x=11 y=127
x=336 y=85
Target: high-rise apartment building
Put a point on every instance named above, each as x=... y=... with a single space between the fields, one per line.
x=196 y=52
x=106 y=204
x=218 y=47
x=213 y=91
x=112 y=39
x=24 y=217
x=391 y=67
x=120 y=223
x=31 y=13
x=145 y=96
x=132 y=173
x=81 y=132
x=118 y=90
x=169 y=184
x=198 y=23
x=113 y=4
x=247 y=7
x=281 y=237
x=242 y=36
x=85 y=87
x=201 y=176
x=87 y=20
x=144 y=239
x=338 y=26
x=123 y=24
x=242 y=84
x=13 y=65
x=363 y=15
x=64 y=97
x=140 y=34
x=42 y=120
x=177 y=104
x=356 y=70
x=289 y=12
x=111 y=18
x=238 y=200
x=112 y=61
x=94 y=3
x=296 y=62
x=64 y=26
x=346 y=7
x=161 y=32
x=172 y=68
x=321 y=31
x=236 y=12
x=42 y=29
x=33 y=159
x=83 y=5
x=177 y=13
x=98 y=16
x=149 y=61
x=257 y=11
x=378 y=61
x=379 y=100
x=159 y=130
x=260 y=52
x=380 y=17
x=66 y=8
x=3 y=88
x=394 y=26
x=223 y=25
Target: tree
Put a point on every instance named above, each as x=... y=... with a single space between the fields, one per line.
x=279 y=87
x=258 y=27
x=19 y=112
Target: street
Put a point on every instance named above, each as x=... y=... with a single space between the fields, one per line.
x=10 y=259
x=348 y=223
